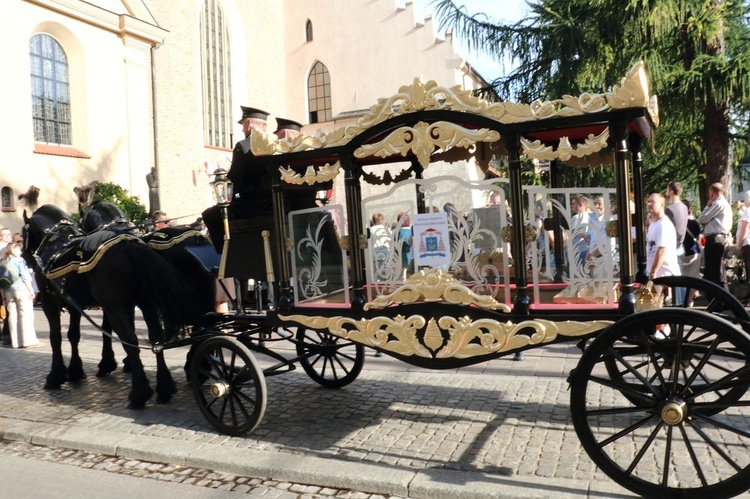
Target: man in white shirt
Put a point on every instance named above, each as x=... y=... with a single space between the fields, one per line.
x=661 y=246
x=716 y=218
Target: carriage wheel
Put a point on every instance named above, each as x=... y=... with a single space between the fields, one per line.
x=329 y=360
x=719 y=300
x=228 y=385
x=675 y=419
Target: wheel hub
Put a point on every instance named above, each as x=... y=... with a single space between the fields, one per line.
x=219 y=389
x=674 y=411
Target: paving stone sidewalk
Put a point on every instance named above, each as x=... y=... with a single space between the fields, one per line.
x=497 y=429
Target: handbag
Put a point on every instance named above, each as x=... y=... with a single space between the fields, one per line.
x=7 y=277
x=647 y=299
x=3 y=312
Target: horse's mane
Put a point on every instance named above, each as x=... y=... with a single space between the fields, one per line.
x=101 y=213
x=50 y=214
x=42 y=219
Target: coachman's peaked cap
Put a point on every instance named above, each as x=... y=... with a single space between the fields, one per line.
x=251 y=112
x=285 y=124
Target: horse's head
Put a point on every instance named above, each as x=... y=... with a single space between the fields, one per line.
x=101 y=213
x=39 y=227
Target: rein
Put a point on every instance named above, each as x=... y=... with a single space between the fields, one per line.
x=70 y=302
x=56 y=288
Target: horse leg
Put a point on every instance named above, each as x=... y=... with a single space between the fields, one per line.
x=108 y=362
x=165 y=385
x=121 y=320
x=57 y=374
x=75 y=367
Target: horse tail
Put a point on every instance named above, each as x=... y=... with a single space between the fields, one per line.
x=162 y=285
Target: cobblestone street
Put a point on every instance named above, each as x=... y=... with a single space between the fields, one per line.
x=498 y=424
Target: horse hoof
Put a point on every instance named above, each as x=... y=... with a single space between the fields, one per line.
x=76 y=377
x=138 y=401
x=52 y=386
x=163 y=399
x=103 y=373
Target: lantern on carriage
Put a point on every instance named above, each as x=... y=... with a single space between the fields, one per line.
x=223 y=189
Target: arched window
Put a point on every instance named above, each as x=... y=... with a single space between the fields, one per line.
x=319 y=94
x=308 y=31
x=217 y=76
x=7 y=199
x=50 y=93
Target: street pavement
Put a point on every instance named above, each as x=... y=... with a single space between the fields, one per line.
x=496 y=429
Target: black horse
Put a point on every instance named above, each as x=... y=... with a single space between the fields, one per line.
x=185 y=248
x=125 y=274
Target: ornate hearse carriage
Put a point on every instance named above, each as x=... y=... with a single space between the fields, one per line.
x=428 y=255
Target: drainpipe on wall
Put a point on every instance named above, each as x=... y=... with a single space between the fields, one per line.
x=154 y=121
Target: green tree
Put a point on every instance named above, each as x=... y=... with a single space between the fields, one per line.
x=697 y=53
x=115 y=194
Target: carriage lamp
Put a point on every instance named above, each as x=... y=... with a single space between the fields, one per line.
x=222 y=190
x=221 y=187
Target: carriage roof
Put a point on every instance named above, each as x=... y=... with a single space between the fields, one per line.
x=424 y=122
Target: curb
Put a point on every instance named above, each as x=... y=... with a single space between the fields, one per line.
x=436 y=483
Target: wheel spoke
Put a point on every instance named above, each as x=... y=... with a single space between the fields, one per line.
x=222 y=409
x=241 y=406
x=698 y=369
x=339 y=353
x=645 y=447
x=232 y=410
x=317 y=358
x=667 y=454
x=693 y=457
x=719 y=405
x=248 y=398
x=675 y=374
x=633 y=371
x=625 y=389
x=617 y=410
x=332 y=367
x=341 y=364
x=715 y=447
x=626 y=431
x=741 y=373
x=222 y=365
x=653 y=359
x=719 y=366
x=721 y=425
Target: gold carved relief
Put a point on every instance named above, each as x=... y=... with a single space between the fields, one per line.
x=312 y=176
x=633 y=91
x=423 y=139
x=434 y=285
x=446 y=337
x=565 y=151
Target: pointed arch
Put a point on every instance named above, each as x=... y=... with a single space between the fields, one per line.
x=319 y=94
x=308 y=31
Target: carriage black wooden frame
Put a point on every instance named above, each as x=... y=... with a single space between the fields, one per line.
x=659 y=387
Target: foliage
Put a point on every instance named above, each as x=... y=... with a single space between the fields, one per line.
x=697 y=53
x=115 y=194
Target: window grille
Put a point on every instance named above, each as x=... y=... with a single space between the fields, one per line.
x=217 y=76
x=319 y=94
x=50 y=91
